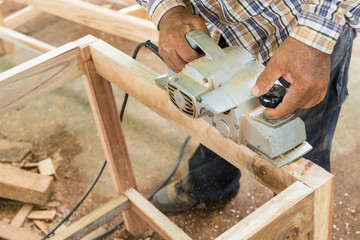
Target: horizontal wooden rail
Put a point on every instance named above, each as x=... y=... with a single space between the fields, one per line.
x=95 y=219
x=289 y=215
x=156 y=219
x=22 y=16
x=110 y=21
x=24 y=41
x=38 y=76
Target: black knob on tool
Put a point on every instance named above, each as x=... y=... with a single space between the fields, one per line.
x=273 y=97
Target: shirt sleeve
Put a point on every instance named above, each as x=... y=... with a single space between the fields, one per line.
x=157 y=8
x=321 y=22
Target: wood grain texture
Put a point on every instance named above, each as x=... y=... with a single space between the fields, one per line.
x=24 y=186
x=22 y=16
x=136 y=11
x=156 y=219
x=5 y=46
x=95 y=219
x=289 y=215
x=38 y=76
x=102 y=102
x=21 y=215
x=110 y=21
x=8 y=232
x=138 y=80
x=24 y=41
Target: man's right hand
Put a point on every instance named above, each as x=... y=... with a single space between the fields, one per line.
x=173 y=46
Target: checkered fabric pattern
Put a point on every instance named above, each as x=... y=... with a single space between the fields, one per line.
x=261 y=25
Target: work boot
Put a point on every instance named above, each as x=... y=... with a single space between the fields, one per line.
x=174 y=198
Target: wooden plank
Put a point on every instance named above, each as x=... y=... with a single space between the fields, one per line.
x=22 y=16
x=156 y=219
x=102 y=102
x=136 y=11
x=6 y=47
x=46 y=215
x=24 y=41
x=38 y=76
x=24 y=186
x=95 y=219
x=8 y=232
x=21 y=215
x=109 y=21
x=289 y=215
x=138 y=80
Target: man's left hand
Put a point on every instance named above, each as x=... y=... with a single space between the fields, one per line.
x=306 y=68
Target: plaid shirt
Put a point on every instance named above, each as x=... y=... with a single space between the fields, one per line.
x=261 y=25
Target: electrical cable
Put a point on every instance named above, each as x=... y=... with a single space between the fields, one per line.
x=181 y=153
x=79 y=203
x=152 y=47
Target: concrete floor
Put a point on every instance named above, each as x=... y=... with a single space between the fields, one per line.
x=153 y=143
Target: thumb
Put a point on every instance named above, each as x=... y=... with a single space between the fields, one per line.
x=266 y=79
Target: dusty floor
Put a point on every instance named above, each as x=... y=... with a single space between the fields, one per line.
x=62 y=122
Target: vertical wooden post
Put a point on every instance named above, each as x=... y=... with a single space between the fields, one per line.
x=6 y=47
x=102 y=102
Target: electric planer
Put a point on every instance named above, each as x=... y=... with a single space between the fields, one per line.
x=216 y=87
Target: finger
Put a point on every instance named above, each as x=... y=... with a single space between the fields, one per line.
x=266 y=79
x=177 y=62
x=292 y=101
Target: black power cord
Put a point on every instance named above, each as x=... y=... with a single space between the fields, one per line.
x=79 y=203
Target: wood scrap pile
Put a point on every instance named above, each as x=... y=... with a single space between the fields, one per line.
x=27 y=177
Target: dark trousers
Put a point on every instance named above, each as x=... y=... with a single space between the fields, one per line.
x=214 y=178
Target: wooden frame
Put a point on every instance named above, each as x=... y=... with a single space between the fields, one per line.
x=132 y=23
x=302 y=209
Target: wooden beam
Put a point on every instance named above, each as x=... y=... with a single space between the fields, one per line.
x=95 y=219
x=5 y=46
x=289 y=215
x=156 y=219
x=138 y=80
x=322 y=182
x=102 y=102
x=24 y=41
x=24 y=186
x=22 y=16
x=38 y=76
x=136 y=11
x=109 y=21
x=8 y=232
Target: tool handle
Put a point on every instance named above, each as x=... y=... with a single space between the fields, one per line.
x=197 y=39
x=273 y=97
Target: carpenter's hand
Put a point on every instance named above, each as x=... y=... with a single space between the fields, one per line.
x=173 y=46
x=306 y=68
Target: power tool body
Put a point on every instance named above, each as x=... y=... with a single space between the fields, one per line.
x=216 y=87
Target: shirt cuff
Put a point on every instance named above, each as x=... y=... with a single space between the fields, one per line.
x=160 y=7
x=317 y=31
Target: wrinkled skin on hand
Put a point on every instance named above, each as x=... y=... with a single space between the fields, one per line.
x=173 y=46
x=306 y=68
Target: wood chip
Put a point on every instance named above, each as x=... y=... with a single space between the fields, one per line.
x=11 y=151
x=47 y=215
x=21 y=215
x=93 y=234
x=46 y=167
x=41 y=225
x=30 y=165
x=53 y=204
